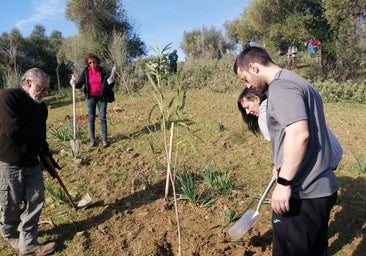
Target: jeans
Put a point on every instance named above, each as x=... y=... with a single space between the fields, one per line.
x=92 y=103
x=21 y=186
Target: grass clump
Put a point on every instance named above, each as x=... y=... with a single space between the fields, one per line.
x=230 y=216
x=188 y=187
x=65 y=133
x=219 y=182
x=202 y=190
x=58 y=196
x=361 y=165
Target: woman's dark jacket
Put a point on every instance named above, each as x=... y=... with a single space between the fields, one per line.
x=84 y=80
x=22 y=128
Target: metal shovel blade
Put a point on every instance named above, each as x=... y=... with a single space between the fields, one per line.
x=242 y=226
x=75 y=145
x=84 y=202
x=250 y=217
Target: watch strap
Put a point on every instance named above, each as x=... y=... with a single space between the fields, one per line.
x=283 y=181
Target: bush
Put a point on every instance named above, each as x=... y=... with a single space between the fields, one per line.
x=218 y=75
x=332 y=91
x=215 y=74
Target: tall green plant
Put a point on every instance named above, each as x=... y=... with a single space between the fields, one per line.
x=170 y=102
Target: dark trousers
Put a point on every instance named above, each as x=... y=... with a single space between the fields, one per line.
x=173 y=68
x=304 y=230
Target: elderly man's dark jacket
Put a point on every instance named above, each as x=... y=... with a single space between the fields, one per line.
x=22 y=128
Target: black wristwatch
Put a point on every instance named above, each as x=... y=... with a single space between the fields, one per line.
x=283 y=181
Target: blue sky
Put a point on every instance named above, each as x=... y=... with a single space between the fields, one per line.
x=161 y=21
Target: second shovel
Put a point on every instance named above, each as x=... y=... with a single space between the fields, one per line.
x=74 y=143
x=249 y=218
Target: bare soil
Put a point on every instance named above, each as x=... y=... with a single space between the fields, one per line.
x=129 y=215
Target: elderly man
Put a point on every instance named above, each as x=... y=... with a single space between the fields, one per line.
x=23 y=116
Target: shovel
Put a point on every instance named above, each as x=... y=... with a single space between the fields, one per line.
x=74 y=143
x=249 y=218
x=84 y=202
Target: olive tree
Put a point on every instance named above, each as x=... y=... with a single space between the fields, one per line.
x=205 y=42
x=99 y=20
x=338 y=24
x=11 y=55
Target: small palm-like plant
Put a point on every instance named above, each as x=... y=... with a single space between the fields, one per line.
x=221 y=126
x=361 y=165
x=62 y=133
x=57 y=196
x=168 y=109
x=220 y=182
x=73 y=154
x=65 y=133
x=230 y=216
x=188 y=187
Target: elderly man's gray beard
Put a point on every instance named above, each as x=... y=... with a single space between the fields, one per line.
x=37 y=101
x=31 y=94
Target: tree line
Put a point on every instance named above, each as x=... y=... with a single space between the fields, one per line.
x=339 y=25
x=104 y=29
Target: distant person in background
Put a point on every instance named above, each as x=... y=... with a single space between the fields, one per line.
x=312 y=46
x=95 y=80
x=173 y=59
x=253 y=43
x=23 y=116
x=316 y=44
x=291 y=56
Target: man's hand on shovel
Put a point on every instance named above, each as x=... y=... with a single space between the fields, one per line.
x=46 y=165
x=49 y=162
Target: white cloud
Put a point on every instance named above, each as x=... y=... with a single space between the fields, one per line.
x=43 y=11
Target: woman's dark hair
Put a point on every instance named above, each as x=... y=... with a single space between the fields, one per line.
x=91 y=56
x=250 y=120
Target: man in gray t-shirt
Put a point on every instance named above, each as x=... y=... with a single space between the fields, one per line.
x=292 y=99
x=306 y=187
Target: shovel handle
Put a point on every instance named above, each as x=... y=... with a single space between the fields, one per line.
x=73 y=110
x=49 y=163
x=270 y=184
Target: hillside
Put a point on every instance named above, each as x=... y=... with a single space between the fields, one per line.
x=126 y=181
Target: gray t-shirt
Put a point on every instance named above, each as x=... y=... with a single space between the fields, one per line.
x=291 y=98
x=337 y=150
